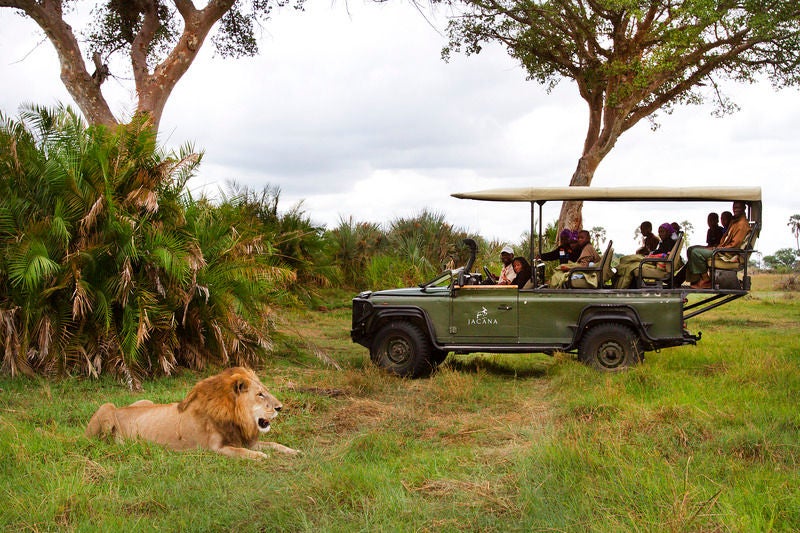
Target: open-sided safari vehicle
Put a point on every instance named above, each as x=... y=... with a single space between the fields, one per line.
x=410 y=331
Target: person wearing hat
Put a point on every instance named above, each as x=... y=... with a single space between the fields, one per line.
x=507 y=275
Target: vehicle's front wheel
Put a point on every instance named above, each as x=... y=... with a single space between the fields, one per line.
x=402 y=349
x=610 y=347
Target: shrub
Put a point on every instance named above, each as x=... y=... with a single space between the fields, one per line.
x=106 y=264
x=788 y=283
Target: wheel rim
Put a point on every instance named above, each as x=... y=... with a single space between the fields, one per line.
x=611 y=354
x=398 y=350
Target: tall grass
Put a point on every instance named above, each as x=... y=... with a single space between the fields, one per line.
x=701 y=438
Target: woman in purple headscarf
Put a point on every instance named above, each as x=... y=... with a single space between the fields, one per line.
x=565 y=251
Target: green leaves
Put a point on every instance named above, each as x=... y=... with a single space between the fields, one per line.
x=107 y=265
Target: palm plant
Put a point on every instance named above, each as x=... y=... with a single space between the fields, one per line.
x=433 y=237
x=100 y=268
x=293 y=240
x=354 y=244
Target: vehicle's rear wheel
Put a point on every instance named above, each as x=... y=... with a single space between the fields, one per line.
x=402 y=348
x=610 y=347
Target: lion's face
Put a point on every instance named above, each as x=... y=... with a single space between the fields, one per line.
x=263 y=405
x=234 y=398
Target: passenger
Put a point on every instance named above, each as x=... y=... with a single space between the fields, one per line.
x=587 y=255
x=734 y=237
x=629 y=265
x=725 y=219
x=523 y=271
x=714 y=234
x=565 y=251
x=507 y=274
x=715 y=231
x=649 y=241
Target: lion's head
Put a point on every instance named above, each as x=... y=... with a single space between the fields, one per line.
x=236 y=401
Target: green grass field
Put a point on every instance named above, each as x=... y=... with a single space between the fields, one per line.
x=698 y=438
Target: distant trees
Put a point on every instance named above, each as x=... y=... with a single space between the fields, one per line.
x=630 y=59
x=783 y=259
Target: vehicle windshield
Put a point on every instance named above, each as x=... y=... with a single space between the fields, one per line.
x=442 y=280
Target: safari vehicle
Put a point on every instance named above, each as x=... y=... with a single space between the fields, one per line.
x=410 y=331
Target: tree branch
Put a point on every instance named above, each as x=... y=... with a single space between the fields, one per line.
x=81 y=85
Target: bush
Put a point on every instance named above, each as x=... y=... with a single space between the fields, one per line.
x=788 y=283
x=107 y=265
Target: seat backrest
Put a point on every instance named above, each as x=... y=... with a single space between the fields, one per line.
x=750 y=240
x=605 y=265
x=675 y=252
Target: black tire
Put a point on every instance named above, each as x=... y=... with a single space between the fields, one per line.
x=403 y=349
x=610 y=347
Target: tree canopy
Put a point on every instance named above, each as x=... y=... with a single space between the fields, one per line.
x=159 y=40
x=632 y=58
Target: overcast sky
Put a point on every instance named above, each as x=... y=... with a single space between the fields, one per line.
x=350 y=109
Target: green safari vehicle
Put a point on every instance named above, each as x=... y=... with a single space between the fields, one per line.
x=409 y=331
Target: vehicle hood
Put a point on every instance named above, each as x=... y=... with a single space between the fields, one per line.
x=407 y=291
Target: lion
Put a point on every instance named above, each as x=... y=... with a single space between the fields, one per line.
x=225 y=413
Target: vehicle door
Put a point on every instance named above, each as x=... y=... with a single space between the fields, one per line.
x=484 y=313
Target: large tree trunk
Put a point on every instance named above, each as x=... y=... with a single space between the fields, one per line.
x=153 y=90
x=572 y=212
x=605 y=126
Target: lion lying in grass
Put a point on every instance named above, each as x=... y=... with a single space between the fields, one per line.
x=225 y=413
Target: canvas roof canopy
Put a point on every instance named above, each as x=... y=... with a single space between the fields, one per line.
x=616 y=194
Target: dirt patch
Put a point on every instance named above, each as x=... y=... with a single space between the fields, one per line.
x=358 y=414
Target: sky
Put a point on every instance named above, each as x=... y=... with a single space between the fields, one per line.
x=350 y=110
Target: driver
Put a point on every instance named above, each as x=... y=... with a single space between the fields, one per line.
x=507 y=275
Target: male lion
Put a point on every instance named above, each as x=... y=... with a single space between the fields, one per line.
x=225 y=413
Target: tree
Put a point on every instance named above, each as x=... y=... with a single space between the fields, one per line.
x=160 y=38
x=794 y=224
x=688 y=229
x=632 y=58
x=784 y=259
x=598 y=234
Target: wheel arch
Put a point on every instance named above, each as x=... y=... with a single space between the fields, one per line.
x=413 y=314
x=615 y=314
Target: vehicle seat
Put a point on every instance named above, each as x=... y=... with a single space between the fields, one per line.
x=660 y=271
x=733 y=260
x=592 y=277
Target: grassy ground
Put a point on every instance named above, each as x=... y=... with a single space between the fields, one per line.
x=703 y=438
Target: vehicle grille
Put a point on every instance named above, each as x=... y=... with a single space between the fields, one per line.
x=361 y=310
